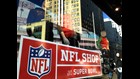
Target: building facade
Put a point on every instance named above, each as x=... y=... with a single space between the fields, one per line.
x=66 y=13
x=75 y=14
x=90 y=21
x=114 y=35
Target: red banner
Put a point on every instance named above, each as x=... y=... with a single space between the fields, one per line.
x=40 y=59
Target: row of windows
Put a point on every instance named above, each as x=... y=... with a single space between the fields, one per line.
x=86 y=22
x=49 y=8
x=75 y=5
x=76 y=14
x=83 y=41
x=73 y=1
x=65 y=7
x=90 y=28
x=88 y=47
x=75 y=10
x=77 y=29
x=75 y=19
x=76 y=24
x=65 y=10
x=65 y=3
x=65 y=19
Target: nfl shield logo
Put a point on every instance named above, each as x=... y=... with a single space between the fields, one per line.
x=39 y=61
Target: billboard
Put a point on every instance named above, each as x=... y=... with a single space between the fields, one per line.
x=40 y=59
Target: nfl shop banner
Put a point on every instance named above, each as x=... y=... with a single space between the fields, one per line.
x=39 y=59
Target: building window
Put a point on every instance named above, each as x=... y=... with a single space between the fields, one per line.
x=67 y=3
x=67 y=7
x=77 y=9
x=72 y=1
x=54 y=2
x=54 y=10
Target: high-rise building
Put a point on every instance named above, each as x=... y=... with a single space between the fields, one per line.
x=88 y=21
x=66 y=13
x=114 y=35
x=114 y=31
x=75 y=14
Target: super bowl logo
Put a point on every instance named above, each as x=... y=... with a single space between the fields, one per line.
x=39 y=61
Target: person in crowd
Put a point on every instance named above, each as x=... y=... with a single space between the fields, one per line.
x=111 y=70
x=103 y=45
x=119 y=66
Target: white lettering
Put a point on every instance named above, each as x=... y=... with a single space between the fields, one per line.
x=96 y=58
x=64 y=55
x=90 y=58
x=79 y=71
x=78 y=60
x=67 y=55
x=92 y=70
x=71 y=55
x=84 y=57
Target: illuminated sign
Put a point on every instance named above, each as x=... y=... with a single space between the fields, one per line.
x=36 y=59
x=40 y=59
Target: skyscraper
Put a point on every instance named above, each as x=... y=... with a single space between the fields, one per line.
x=87 y=7
x=65 y=13
x=75 y=14
x=114 y=35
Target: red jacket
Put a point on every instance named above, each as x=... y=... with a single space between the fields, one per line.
x=68 y=33
x=104 y=43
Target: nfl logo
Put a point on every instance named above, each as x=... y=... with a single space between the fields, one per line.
x=39 y=61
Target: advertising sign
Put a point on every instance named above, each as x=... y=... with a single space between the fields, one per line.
x=77 y=63
x=39 y=59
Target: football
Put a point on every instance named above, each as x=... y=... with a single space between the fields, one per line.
x=41 y=52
